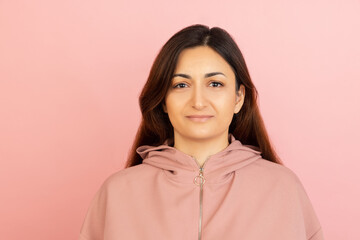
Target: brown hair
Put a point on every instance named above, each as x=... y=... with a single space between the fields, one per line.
x=247 y=126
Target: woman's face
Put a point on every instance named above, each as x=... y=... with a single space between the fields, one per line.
x=202 y=99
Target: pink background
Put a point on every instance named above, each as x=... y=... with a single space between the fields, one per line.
x=71 y=72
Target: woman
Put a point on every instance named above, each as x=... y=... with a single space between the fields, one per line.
x=201 y=166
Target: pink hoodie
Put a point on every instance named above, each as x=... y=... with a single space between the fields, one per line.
x=236 y=195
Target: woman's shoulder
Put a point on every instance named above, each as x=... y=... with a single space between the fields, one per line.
x=274 y=172
x=278 y=180
x=127 y=177
x=285 y=186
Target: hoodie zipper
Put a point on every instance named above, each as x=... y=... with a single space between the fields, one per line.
x=200 y=180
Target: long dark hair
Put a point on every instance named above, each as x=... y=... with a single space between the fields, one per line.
x=155 y=127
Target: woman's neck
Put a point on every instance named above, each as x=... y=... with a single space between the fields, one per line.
x=202 y=148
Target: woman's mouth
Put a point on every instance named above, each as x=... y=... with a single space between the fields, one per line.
x=199 y=118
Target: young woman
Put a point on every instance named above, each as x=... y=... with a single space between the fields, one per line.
x=201 y=166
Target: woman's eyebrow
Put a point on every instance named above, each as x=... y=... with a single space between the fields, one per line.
x=206 y=75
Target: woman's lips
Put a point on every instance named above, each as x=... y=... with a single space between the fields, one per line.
x=199 y=118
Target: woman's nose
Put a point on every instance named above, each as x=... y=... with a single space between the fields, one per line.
x=198 y=98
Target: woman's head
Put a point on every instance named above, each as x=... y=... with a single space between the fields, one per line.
x=203 y=84
x=245 y=124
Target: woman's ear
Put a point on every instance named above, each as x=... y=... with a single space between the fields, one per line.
x=164 y=107
x=240 y=96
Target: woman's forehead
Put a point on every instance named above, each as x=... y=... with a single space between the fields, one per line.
x=202 y=60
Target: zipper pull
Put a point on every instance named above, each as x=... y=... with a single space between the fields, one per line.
x=200 y=179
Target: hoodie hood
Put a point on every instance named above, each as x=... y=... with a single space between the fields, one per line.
x=181 y=167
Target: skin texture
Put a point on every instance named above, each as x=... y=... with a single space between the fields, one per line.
x=197 y=94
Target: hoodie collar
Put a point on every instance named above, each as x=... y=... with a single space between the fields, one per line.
x=182 y=167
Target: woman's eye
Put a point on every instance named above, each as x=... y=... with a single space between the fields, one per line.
x=180 y=85
x=216 y=84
